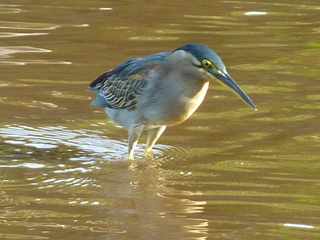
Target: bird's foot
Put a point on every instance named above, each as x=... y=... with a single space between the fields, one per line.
x=148 y=154
x=131 y=156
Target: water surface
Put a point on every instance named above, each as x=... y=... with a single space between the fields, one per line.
x=228 y=173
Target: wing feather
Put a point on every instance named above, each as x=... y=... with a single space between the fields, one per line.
x=120 y=87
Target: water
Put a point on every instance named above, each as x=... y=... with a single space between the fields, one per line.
x=228 y=173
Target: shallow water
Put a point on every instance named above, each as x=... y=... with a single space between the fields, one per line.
x=228 y=173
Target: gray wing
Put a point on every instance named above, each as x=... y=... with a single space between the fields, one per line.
x=120 y=87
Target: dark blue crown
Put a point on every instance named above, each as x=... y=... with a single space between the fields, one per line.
x=201 y=52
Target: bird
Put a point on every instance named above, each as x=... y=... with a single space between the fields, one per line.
x=148 y=94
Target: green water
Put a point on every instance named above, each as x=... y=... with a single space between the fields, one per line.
x=227 y=173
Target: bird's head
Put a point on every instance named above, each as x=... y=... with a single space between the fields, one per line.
x=208 y=62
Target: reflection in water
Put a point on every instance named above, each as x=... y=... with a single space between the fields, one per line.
x=121 y=199
x=88 y=142
x=53 y=137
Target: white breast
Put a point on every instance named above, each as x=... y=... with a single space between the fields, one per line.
x=194 y=102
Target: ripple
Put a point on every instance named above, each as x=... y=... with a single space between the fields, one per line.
x=27 y=25
x=53 y=82
x=84 y=25
x=165 y=153
x=214 y=21
x=58 y=94
x=24 y=165
x=41 y=62
x=105 y=9
x=10 y=9
x=68 y=180
x=5 y=52
x=11 y=34
x=308 y=138
x=296 y=225
x=260 y=13
x=32 y=104
x=287 y=119
x=181 y=31
x=277 y=4
x=208 y=17
x=292 y=179
x=85 y=141
x=206 y=32
x=256 y=45
x=22 y=236
x=152 y=38
x=255 y=13
x=239 y=113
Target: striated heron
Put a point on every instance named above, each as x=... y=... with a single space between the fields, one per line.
x=160 y=90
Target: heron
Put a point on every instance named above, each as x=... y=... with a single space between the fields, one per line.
x=149 y=94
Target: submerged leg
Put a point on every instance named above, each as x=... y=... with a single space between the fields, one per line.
x=152 y=137
x=134 y=135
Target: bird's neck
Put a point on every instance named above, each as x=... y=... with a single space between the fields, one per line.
x=189 y=82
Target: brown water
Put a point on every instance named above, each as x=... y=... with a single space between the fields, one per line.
x=228 y=173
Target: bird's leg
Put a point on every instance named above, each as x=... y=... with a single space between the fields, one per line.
x=152 y=137
x=134 y=135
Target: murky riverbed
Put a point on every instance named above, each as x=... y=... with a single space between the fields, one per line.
x=228 y=173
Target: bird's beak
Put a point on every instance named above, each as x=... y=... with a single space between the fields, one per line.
x=226 y=79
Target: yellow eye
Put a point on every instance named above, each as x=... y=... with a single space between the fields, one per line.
x=207 y=64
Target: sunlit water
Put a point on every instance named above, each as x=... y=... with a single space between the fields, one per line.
x=228 y=173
